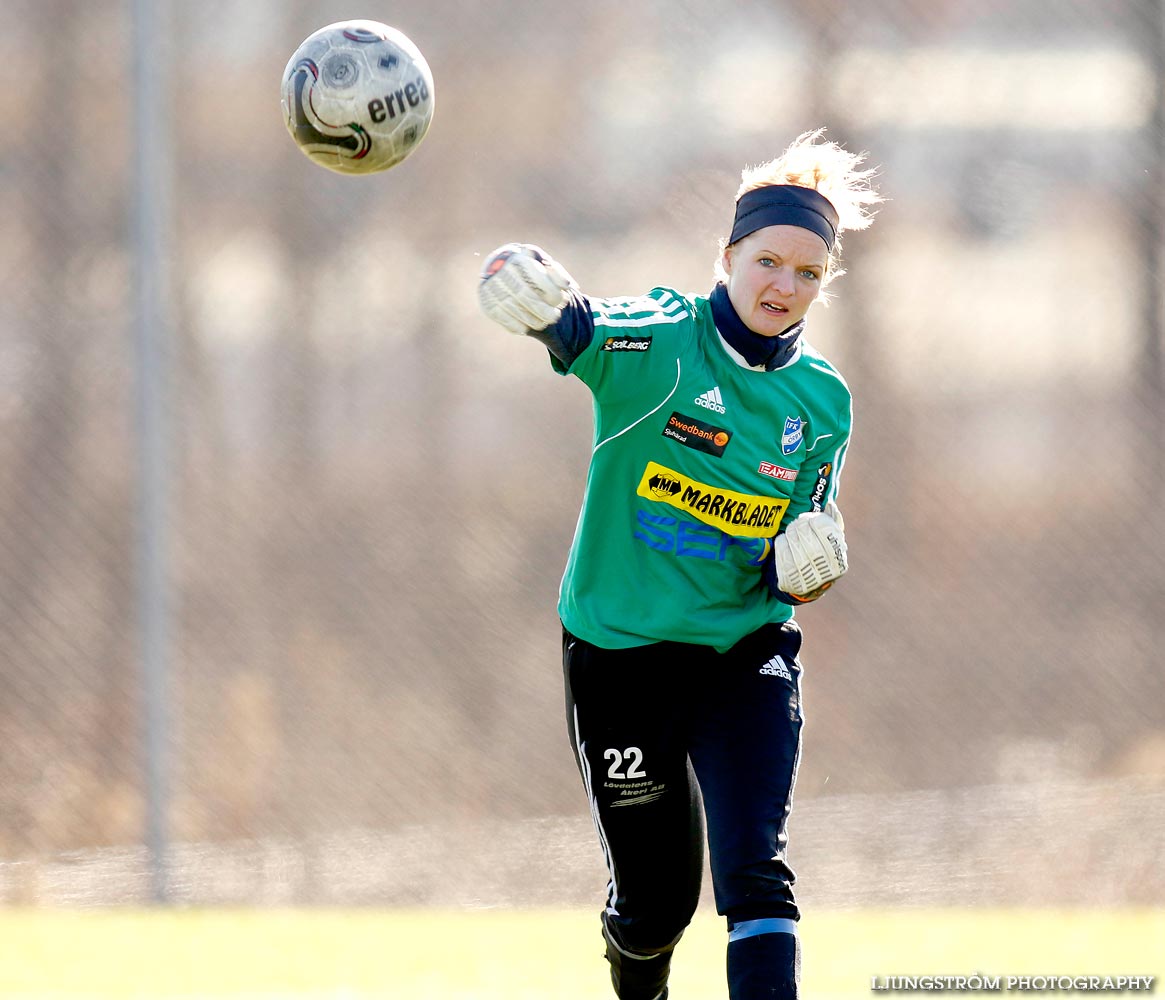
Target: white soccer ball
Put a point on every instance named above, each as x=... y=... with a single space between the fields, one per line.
x=357 y=97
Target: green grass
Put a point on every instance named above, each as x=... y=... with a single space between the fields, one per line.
x=523 y=955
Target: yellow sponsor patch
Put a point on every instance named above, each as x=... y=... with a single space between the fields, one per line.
x=739 y=514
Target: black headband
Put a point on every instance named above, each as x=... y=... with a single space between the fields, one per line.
x=785 y=205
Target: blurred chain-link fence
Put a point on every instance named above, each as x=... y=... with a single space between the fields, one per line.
x=373 y=491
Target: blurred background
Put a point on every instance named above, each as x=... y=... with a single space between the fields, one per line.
x=346 y=687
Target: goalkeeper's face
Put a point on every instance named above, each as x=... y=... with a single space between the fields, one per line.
x=774 y=276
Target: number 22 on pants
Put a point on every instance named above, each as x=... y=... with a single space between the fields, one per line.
x=632 y=757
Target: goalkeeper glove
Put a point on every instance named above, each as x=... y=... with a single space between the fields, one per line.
x=811 y=554
x=522 y=288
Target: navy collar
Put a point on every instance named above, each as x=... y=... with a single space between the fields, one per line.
x=758 y=351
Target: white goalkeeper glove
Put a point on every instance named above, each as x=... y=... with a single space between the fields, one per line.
x=522 y=288
x=811 y=553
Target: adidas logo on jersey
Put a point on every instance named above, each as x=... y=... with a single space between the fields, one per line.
x=711 y=400
x=776 y=668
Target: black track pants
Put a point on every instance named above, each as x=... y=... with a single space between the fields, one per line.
x=656 y=729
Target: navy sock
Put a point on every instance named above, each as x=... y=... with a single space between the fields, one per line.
x=763 y=965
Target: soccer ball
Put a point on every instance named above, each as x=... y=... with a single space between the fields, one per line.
x=357 y=97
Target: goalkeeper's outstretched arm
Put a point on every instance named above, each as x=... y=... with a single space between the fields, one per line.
x=528 y=293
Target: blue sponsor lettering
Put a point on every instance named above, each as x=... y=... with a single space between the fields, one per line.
x=697 y=540
x=693 y=540
x=657 y=531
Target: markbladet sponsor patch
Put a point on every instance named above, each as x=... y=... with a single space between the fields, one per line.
x=740 y=514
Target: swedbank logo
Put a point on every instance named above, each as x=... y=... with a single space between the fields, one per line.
x=742 y=515
x=695 y=433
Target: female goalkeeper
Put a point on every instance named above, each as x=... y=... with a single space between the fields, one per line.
x=709 y=514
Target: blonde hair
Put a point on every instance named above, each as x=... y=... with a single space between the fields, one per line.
x=827 y=168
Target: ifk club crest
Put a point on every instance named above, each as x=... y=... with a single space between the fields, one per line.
x=791 y=438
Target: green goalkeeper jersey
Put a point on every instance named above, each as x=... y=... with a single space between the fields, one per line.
x=698 y=462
